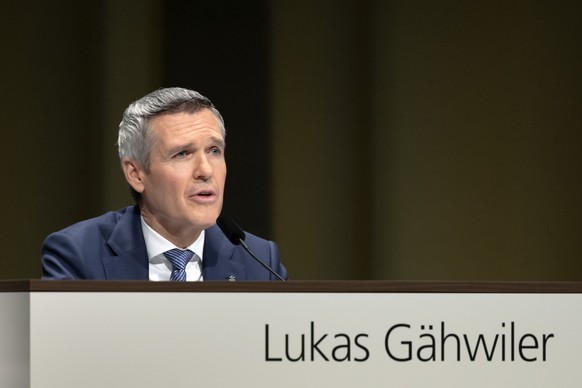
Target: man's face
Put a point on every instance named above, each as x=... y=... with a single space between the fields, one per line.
x=183 y=191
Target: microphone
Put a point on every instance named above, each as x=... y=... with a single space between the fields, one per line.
x=236 y=236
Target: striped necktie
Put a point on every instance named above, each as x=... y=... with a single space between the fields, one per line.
x=179 y=258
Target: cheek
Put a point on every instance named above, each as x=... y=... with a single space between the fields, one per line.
x=176 y=174
x=221 y=182
x=169 y=182
x=220 y=174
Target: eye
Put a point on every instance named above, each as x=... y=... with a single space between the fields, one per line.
x=181 y=154
x=216 y=151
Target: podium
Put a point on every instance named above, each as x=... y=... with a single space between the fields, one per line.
x=293 y=334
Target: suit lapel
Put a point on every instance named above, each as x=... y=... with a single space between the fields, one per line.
x=219 y=262
x=130 y=261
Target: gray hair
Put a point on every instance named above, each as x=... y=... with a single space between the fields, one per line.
x=135 y=139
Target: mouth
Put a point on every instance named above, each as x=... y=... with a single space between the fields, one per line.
x=204 y=196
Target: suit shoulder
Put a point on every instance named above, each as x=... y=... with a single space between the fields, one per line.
x=101 y=225
x=252 y=238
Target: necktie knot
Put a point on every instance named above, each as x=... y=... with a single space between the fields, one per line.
x=178 y=258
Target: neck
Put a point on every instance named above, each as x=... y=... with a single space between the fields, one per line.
x=180 y=237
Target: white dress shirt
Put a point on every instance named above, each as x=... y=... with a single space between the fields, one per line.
x=160 y=267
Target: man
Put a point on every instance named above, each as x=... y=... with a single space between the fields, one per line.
x=171 y=146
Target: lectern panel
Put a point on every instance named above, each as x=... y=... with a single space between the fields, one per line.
x=14 y=340
x=262 y=339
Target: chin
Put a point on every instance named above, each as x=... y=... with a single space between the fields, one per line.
x=207 y=221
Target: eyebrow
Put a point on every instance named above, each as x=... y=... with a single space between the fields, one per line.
x=214 y=140
x=179 y=148
x=218 y=141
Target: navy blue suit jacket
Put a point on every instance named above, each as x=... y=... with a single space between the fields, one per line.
x=112 y=247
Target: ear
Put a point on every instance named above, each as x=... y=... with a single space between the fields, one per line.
x=134 y=174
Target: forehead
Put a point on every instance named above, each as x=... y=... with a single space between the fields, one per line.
x=168 y=126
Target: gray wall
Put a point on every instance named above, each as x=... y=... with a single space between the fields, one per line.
x=408 y=139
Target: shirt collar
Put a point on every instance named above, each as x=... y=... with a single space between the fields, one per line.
x=157 y=245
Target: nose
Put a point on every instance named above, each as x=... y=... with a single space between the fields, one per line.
x=202 y=168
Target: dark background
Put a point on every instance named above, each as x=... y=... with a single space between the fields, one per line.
x=369 y=139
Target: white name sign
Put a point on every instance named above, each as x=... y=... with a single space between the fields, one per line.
x=174 y=339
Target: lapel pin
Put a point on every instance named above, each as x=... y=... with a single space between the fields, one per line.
x=232 y=278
